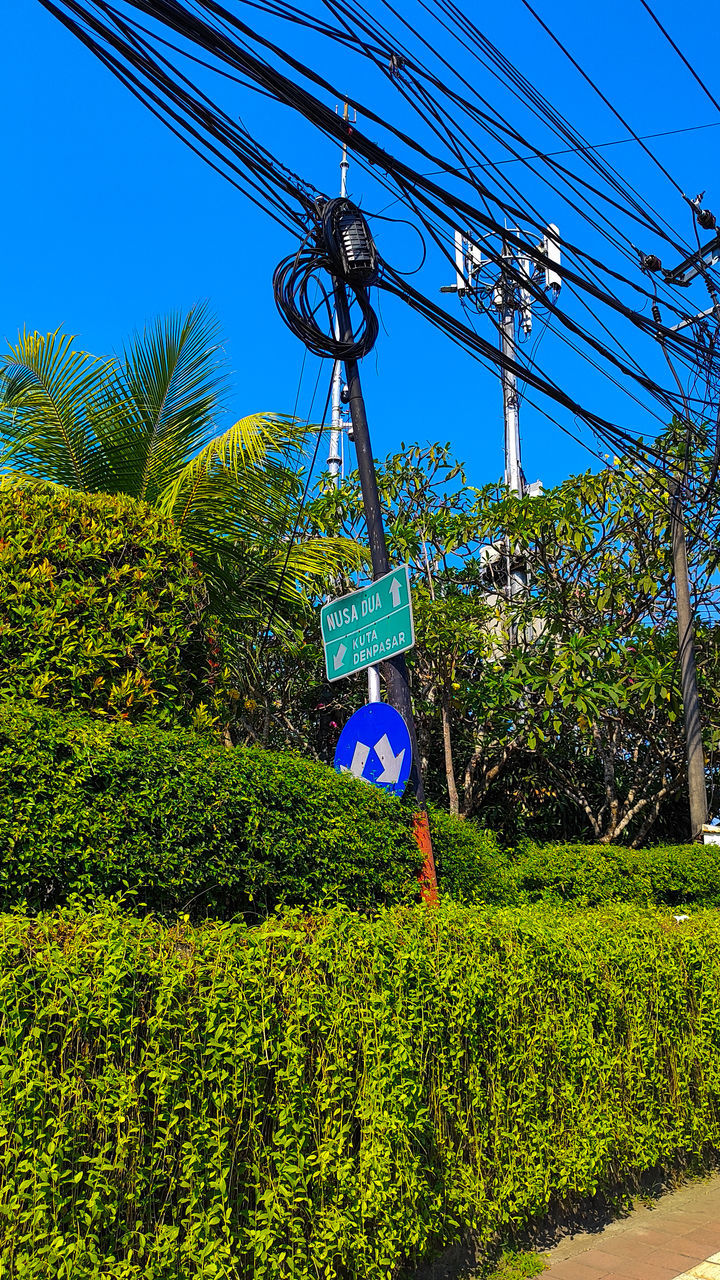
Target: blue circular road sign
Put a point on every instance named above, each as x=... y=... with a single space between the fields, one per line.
x=375 y=746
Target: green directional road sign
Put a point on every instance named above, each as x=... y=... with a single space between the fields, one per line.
x=368 y=625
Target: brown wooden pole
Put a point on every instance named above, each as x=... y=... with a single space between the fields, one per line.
x=688 y=674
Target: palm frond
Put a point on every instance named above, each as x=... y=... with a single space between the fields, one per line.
x=249 y=461
x=146 y=426
x=257 y=439
x=273 y=586
x=238 y=528
x=171 y=386
x=46 y=388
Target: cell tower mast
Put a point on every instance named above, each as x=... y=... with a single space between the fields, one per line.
x=512 y=298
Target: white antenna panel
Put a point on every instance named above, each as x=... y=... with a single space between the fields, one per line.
x=462 y=283
x=525 y=295
x=551 y=247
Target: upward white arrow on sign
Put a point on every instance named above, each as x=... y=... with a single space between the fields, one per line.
x=391 y=763
x=395 y=592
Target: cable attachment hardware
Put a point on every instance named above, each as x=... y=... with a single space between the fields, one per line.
x=649 y=262
x=346 y=238
x=703 y=217
x=339 y=250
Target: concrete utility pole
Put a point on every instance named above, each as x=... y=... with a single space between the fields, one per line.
x=505 y=299
x=695 y=265
x=688 y=674
x=510 y=295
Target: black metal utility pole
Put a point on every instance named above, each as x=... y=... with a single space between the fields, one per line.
x=395 y=669
x=688 y=674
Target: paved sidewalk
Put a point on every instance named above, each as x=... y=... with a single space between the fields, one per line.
x=676 y=1237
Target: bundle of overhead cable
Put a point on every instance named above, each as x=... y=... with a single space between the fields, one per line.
x=438 y=174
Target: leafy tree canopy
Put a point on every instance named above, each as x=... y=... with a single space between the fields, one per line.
x=558 y=712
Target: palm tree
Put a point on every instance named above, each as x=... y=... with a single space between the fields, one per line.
x=145 y=424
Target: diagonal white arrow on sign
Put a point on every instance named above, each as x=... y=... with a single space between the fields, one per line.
x=395 y=592
x=341 y=651
x=359 y=760
x=391 y=763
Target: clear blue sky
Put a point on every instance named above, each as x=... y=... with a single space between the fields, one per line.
x=107 y=219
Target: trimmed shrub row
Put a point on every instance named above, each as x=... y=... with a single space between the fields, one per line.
x=676 y=875
x=472 y=868
x=469 y=862
x=91 y=807
x=96 y=808
x=340 y=1096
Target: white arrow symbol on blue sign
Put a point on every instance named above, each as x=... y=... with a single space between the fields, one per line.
x=388 y=762
x=391 y=763
x=395 y=592
x=359 y=760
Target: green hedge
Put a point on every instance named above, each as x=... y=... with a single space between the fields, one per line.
x=101 y=608
x=340 y=1096
x=94 y=807
x=675 y=875
x=91 y=807
x=473 y=868
x=470 y=865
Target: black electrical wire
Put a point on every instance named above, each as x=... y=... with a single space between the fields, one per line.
x=500 y=66
x=636 y=364
x=594 y=146
x=473 y=342
x=301 y=17
x=333 y=131
x=407 y=223
x=321 y=116
x=587 y=150
x=482 y=118
x=666 y=398
x=615 y=442
x=680 y=54
x=256 y=160
x=537 y=153
x=646 y=458
x=318 y=114
x=682 y=355
x=315 y=25
x=601 y=95
x=296 y=525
